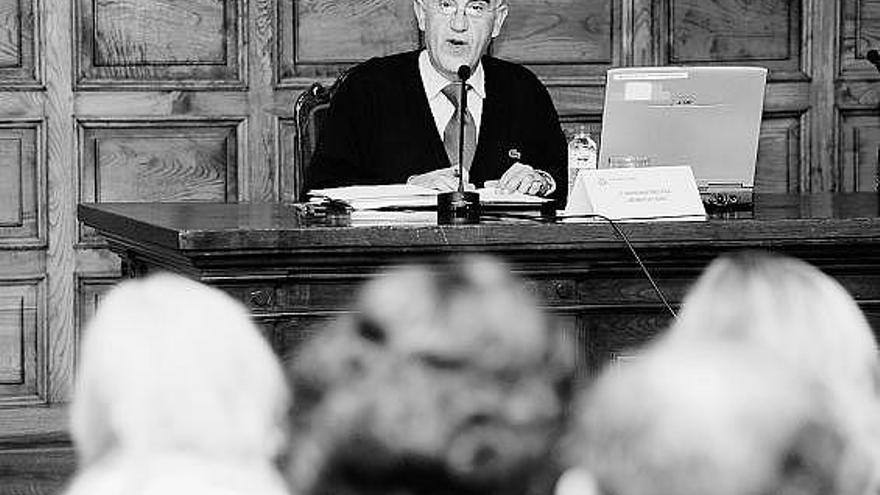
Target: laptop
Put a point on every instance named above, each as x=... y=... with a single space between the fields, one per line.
x=708 y=118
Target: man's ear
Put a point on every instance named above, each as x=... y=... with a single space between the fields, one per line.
x=500 y=17
x=419 y=9
x=576 y=481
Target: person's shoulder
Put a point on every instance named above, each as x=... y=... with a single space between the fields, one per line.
x=382 y=68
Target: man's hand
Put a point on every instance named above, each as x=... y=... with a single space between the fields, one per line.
x=525 y=179
x=444 y=179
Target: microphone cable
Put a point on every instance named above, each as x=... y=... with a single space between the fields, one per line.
x=619 y=233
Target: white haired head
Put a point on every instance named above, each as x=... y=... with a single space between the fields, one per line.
x=171 y=365
x=718 y=418
x=788 y=307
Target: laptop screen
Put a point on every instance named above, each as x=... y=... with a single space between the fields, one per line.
x=707 y=118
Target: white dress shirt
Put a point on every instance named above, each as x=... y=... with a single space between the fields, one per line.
x=441 y=108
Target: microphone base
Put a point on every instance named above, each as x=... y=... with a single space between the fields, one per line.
x=458 y=208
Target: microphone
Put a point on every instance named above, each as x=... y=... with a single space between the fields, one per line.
x=459 y=207
x=874 y=57
x=464 y=72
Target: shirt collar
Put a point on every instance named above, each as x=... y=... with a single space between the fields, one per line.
x=434 y=81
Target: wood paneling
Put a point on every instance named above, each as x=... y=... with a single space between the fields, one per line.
x=320 y=38
x=21 y=361
x=18 y=55
x=162 y=162
x=860 y=25
x=778 y=167
x=287 y=174
x=562 y=37
x=160 y=43
x=765 y=32
x=159 y=162
x=60 y=153
x=860 y=151
x=90 y=290
x=21 y=185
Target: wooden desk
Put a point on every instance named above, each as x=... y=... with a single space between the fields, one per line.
x=293 y=275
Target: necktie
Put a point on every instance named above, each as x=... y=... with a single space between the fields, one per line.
x=450 y=135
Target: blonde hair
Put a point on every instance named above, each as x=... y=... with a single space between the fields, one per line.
x=713 y=417
x=170 y=365
x=789 y=307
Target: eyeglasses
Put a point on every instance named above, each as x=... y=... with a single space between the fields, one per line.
x=476 y=9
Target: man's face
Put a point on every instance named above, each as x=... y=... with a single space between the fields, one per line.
x=458 y=32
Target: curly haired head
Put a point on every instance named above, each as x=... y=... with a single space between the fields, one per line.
x=445 y=381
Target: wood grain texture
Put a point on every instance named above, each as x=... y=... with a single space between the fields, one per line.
x=570 y=33
x=62 y=198
x=159 y=32
x=736 y=31
x=18 y=47
x=259 y=180
x=193 y=228
x=153 y=162
x=778 y=166
x=860 y=32
x=21 y=363
x=131 y=43
x=36 y=470
x=860 y=152
x=21 y=182
x=90 y=290
x=11 y=165
x=36 y=455
x=10 y=34
x=12 y=338
x=822 y=120
x=320 y=38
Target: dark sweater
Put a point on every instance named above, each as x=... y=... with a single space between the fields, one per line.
x=379 y=128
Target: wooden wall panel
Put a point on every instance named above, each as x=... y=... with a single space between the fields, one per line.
x=562 y=37
x=860 y=32
x=288 y=174
x=21 y=359
x=21 y=181
x=320 y=38
x=90 y=290
x=159 y=162
x=18 y=55
x=860 y=150
x=10 y=34
x=160 y=43
x=778 y=167
x=739 y=32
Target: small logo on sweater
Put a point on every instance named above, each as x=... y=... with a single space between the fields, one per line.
x=514 y=153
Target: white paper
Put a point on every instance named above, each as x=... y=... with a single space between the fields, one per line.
x=367 y=192
x=402 y=196
x=647 y=193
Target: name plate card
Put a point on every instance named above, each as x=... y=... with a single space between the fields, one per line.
x=646 y=193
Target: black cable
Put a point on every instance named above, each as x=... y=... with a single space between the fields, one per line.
x=623 y=237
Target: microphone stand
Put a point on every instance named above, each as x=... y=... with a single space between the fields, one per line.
x=459 y=207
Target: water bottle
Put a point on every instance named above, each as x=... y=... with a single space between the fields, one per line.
x=582 y=154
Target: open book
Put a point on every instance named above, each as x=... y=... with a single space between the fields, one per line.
x=405 y=196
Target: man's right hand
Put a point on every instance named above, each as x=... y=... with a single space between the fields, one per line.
x=444 y=179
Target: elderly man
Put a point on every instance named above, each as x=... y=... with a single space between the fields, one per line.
x=394 y=119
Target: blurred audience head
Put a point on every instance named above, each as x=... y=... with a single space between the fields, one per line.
x=717 y=418
x=792 y=309
x=445 y=381
x=172 y=369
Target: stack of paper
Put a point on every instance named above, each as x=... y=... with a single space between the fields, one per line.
x=403 y=196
